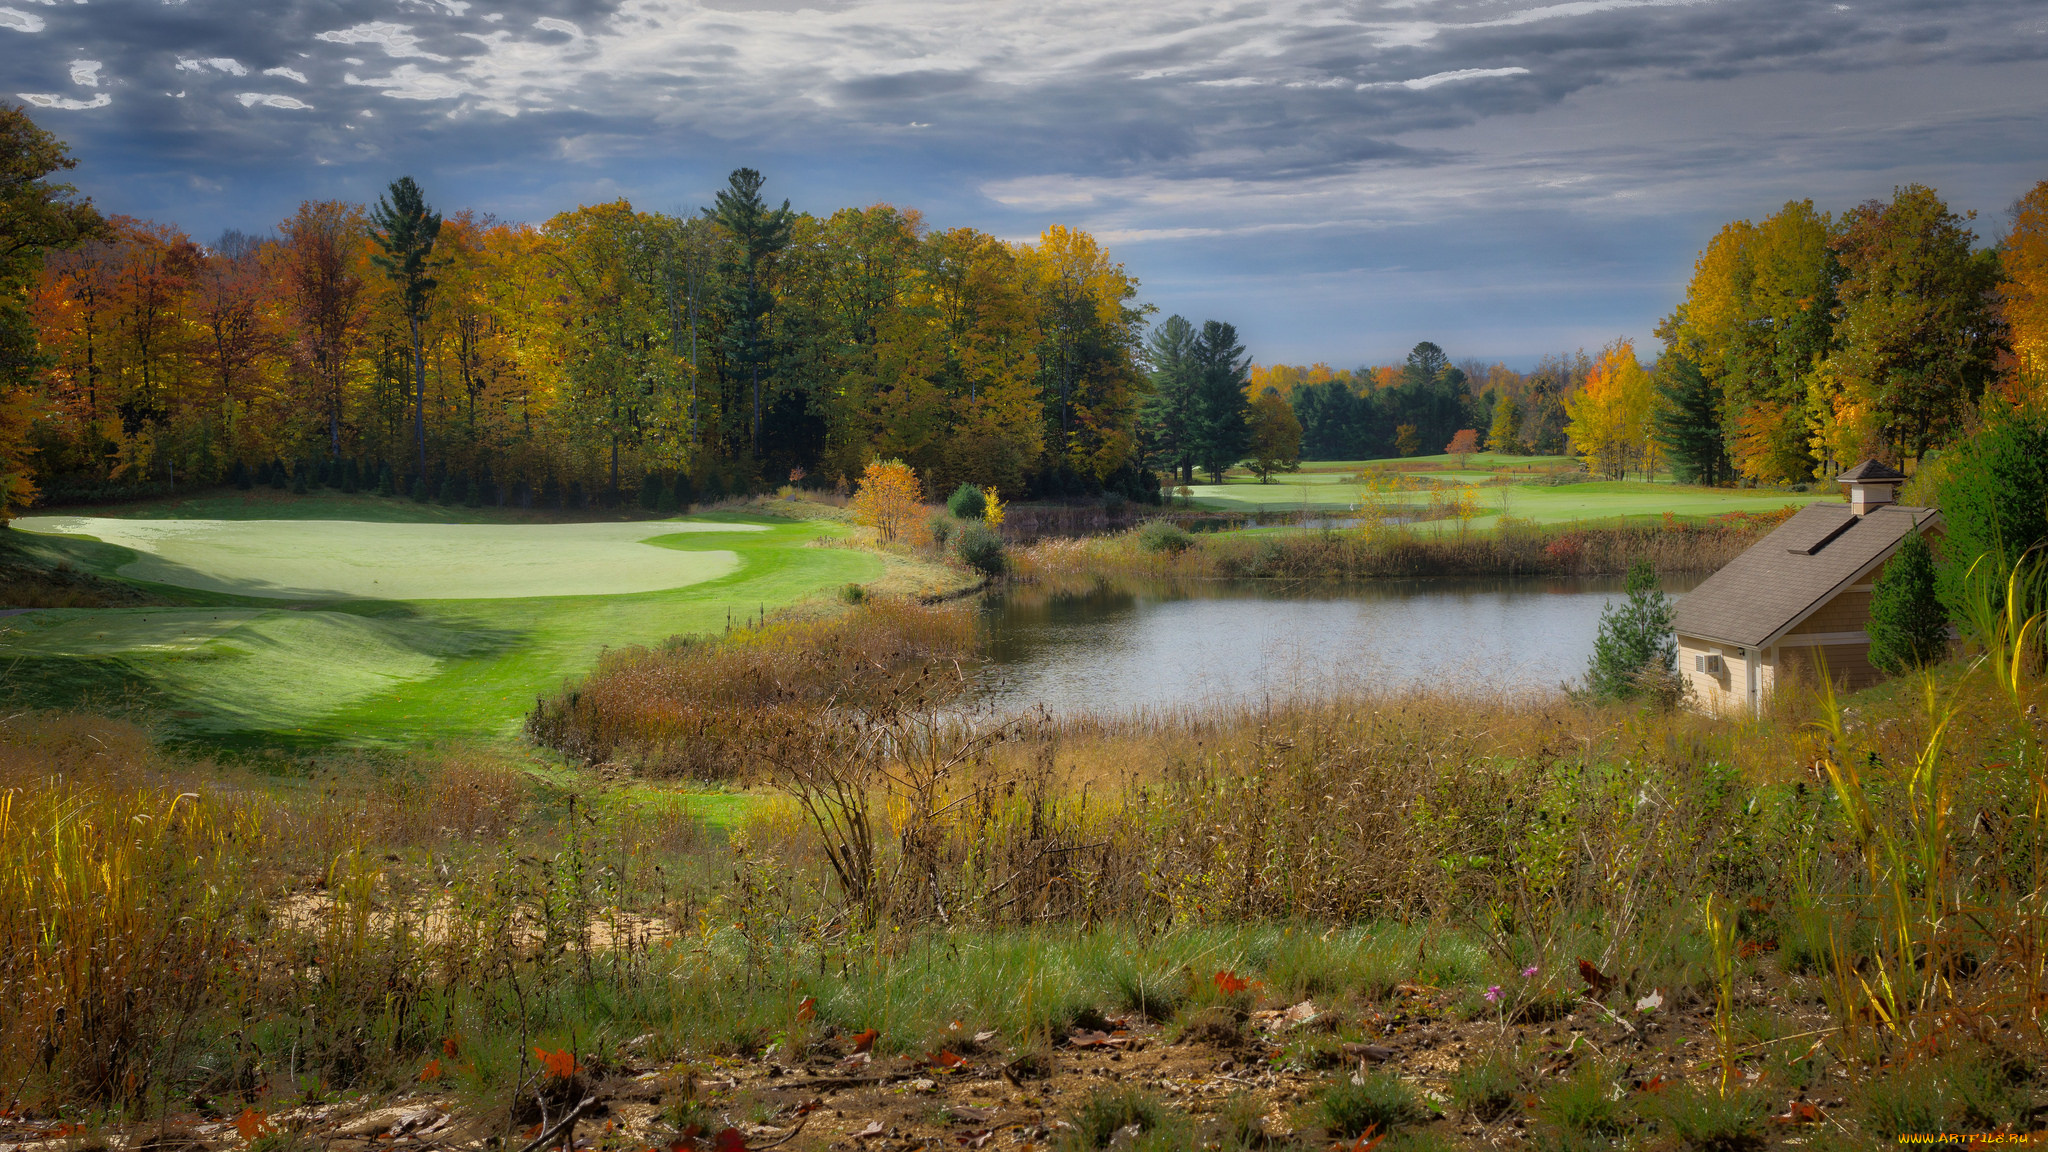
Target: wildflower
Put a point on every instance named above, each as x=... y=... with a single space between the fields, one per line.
x=1493 y=994
x=1529 y=971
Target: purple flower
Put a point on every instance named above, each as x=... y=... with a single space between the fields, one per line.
x=1528 y=972
x=1493 y=994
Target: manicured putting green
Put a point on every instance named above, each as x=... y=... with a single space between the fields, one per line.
x=349 y=559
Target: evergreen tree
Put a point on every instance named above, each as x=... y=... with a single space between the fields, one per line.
x=967 y=502
x=405 y=231
x=1993 y=494
x=1170 y=415
x=758 y=235
x=1688 y=422
x=1635 y=638
x=1908 y=626
x=1223 y=414
x=651 y=494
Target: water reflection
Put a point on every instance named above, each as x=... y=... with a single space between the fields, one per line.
x=1132 y=647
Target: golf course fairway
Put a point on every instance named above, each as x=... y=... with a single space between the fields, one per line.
x=306 y=632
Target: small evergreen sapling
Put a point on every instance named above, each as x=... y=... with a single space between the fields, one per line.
x=1636 y=641
x=967 y=502
x=1908 y=625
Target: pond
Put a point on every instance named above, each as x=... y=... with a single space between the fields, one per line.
x=1125 y=648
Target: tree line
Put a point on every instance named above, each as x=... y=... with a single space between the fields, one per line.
x=607 y=353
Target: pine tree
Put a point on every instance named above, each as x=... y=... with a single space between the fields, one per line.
x=1170 y=415
x=1223 y=414
x=406 y=230
x=1688 y=422
x=1908 y=626
x=1635 y=638
x=759 y=235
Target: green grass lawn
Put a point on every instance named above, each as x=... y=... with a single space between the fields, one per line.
x=1326 y=486
x=280 y=633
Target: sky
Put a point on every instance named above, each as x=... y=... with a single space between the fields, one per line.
x=1339 y=178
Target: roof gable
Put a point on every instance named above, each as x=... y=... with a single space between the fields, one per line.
x=1802 y=564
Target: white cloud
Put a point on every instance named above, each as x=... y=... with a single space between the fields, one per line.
x=287 y=73
x=397 y=40
x=86 y=72
x=251 y=99
x=68 y=104
x=550 y=24
x=407 y=82
x=1435 y=78
x=20 y=21
x=217 y=63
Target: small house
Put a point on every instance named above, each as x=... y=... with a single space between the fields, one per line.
x=1800 y=597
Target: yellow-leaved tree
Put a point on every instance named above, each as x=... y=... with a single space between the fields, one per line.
x=2025 y=258
x=1610 y=416
x=889 y=500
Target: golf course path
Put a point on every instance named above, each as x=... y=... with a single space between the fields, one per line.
x=353 y=559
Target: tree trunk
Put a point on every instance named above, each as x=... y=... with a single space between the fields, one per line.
x=419 y=391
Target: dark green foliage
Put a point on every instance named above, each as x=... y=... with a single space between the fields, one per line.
x=651 y=492
x=1689 y=422
x=758 y=235
x=1635 y=639
x=1993 y=495
x=1581 y=1107
x=280 y=476
x=387 y=485
x=448 y=494
x=1222 y=414
x=37 y=215
x=1969 y=1090
x=474 y=492
x=1908 y=625
x=684 y=494
x=1164 y=536
x=967 y=502
x=1168 y=418
x=239 y=476
x=404 y=230
x=1380 y=1101
x=419 y=489
x=981 y=549
x=348 y=476
x=299 y=479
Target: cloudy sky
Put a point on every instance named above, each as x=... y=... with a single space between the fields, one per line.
x=1341 y=178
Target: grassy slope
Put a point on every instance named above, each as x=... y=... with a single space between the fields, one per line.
x=1323 y=485
x=236 y=670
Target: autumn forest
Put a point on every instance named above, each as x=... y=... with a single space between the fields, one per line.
x=609 y=353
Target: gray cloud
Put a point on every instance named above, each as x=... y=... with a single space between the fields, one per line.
x=1185 y=131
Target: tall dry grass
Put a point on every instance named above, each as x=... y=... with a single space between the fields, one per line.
x=699 y=707
x=1515 y=549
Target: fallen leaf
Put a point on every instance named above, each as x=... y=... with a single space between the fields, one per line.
x=865 y=1040
x=945 y=1059
x=1799 y=1113
x=874 y=1128
x=1366 y=1142
x=808 y=1010
x=1654 y=1084
x=729 y=1140
x=1377 y=1053
x=1083 y=1038
x=1650 y=1003
x=1599 y=984
x=561 y=1063
x=448 y=1046
x=431 y=1072
x=976 y=1140
x=1230 y=983
x=984 y=1037
x=251 y=1124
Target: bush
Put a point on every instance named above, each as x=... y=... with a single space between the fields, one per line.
x=1108 y=1111
x=981 y=549
x=967 y=502
x=1165 y=537
x=1709 y=1121
x=1908 y=626
x=941 y=527
x=1993 y=494
x=1380 y=1101
x=1635 y=639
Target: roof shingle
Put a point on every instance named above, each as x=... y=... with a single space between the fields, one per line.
x=1806 y=561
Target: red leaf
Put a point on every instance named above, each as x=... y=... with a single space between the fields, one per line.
x=808 y=1010
x=1654 y=1084
x=431 y=1072
x=251 y=1124
x=865 y=1040
x=448 y=1047
x=1600 y=985
x=561 y=1063
x=729 y=1140
x=1230 y=983
x=945 y=1059
x=1366 y=1142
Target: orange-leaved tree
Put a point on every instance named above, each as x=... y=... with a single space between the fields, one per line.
x=2025 y=297
x=1464 y=444
x=889 y=499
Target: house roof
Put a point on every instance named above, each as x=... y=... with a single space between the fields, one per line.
x=1801 y=565
x=1868 y=471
